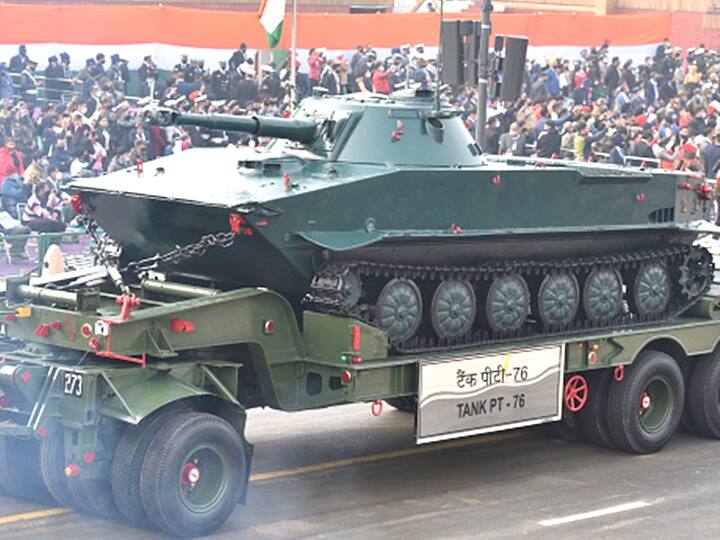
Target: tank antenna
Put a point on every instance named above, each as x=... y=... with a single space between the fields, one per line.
x=438 y=74
x=484 y=60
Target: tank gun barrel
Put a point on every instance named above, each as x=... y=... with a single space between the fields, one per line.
x=294 y=129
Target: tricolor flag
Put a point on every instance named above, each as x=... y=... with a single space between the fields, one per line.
x=271 y=17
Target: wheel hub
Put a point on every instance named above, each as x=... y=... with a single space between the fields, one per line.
x=190 y=474
x=645 y=401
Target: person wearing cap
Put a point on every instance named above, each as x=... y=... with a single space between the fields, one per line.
x=113 y=71
x=238 y=57
x=270 y=83
x=100 y=64
x=6 y=84
x=219 y=81
x=52 y=72
x=19 y=61
x=29 y=84
x=246 y=89
x=147 y=72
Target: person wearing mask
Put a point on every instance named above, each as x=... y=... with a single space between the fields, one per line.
x=43 y=212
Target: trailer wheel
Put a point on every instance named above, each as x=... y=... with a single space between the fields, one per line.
x=93 y=496
x=19 y=469
x=193 y=474
x=52 y=467
x=704 y=398
x=593 y=418
x=403 y=403
x=644 y=408
x=127 y=464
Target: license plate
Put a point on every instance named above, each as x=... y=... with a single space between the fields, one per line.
x=471 y=394
x=73 y=384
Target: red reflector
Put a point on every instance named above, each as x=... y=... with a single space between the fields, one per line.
x=89 y=457
x=56 y=325
x=86 y=330
x=356 y=338
x=356 y=360
x=42 y=330
x=42 y=432
x=25 y=377
x=180 y=325
x=10 y=317
x=640 y=197
x=346 y=377
x=269 y=326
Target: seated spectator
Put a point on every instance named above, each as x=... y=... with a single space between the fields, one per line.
x=11 y=160
x=12 y=227
x=43 y=212
x=15 y=190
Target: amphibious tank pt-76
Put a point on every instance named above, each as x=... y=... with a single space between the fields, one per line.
x=386 y=209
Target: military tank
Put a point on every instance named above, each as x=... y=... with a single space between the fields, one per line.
x=385 y=208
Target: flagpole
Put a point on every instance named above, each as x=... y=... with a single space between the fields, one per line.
x=293 y=61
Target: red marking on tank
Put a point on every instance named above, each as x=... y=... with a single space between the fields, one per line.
x=496 y=180
x=286 y=181
x=640 y=197
x=576 y=393
x=247 y=232
x=77 y=203
x=56 y=325
x=86 y=330
x=42 y=330
x=42 y=432
x=376 y=407
x=355 y=338
x=619 y=373
x=139 y=167
x=89 y=457
x=686 y=186
x=356 y=360
x=181 y=325
x=127 y=302
x=705 y=191
x=346 y=377
x=236 y=223
x=10 y=317
x=455 y=229
x=261 y=223
x=398 y=132
x=25 y=377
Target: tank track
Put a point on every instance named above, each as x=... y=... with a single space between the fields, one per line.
x=327 y=292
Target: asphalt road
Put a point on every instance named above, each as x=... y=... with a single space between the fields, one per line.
x=342 y=473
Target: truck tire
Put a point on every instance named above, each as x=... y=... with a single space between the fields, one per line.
x=93 y=496
x=127 y=464
x=193 y=474
x=52 y=467
x=703 y=400
x=644 y=409
x=20 y=469
x=404 y=403
x=593 y=417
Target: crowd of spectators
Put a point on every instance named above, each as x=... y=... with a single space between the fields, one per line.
x=660 y=113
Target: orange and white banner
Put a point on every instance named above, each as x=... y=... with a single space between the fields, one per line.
x=166 y=32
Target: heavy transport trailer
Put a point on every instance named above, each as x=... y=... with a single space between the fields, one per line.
x=134 y=405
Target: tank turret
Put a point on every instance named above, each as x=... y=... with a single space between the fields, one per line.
x=294 y=129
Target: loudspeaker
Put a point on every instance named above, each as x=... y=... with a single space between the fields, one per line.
x=452 y=53
x=513 y=67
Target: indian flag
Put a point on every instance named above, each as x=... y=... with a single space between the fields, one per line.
x=271 y=17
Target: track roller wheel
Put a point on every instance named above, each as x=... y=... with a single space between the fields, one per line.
x=593 y=418
x=20 y=474
x=403 y=403
x=52 y=466
x=602 y=295
x=93 y=496
x=193 y=474
x=651 y=289
x=128 y=461
x=644 y=408
x=704 y=396
x=508 y=303
x=558 y=300
x=453 y=308
x=399 y=309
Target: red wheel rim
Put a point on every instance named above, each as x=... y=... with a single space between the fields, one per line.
x=576 y=393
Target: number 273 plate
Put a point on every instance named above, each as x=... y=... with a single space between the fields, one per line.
x=73 y=384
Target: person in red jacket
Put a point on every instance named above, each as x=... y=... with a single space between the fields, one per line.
x=11 y=160
x=380 y=81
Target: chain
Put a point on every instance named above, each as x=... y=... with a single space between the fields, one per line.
x=107 y=252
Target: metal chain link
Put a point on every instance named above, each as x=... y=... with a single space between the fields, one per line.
x=107 y=252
